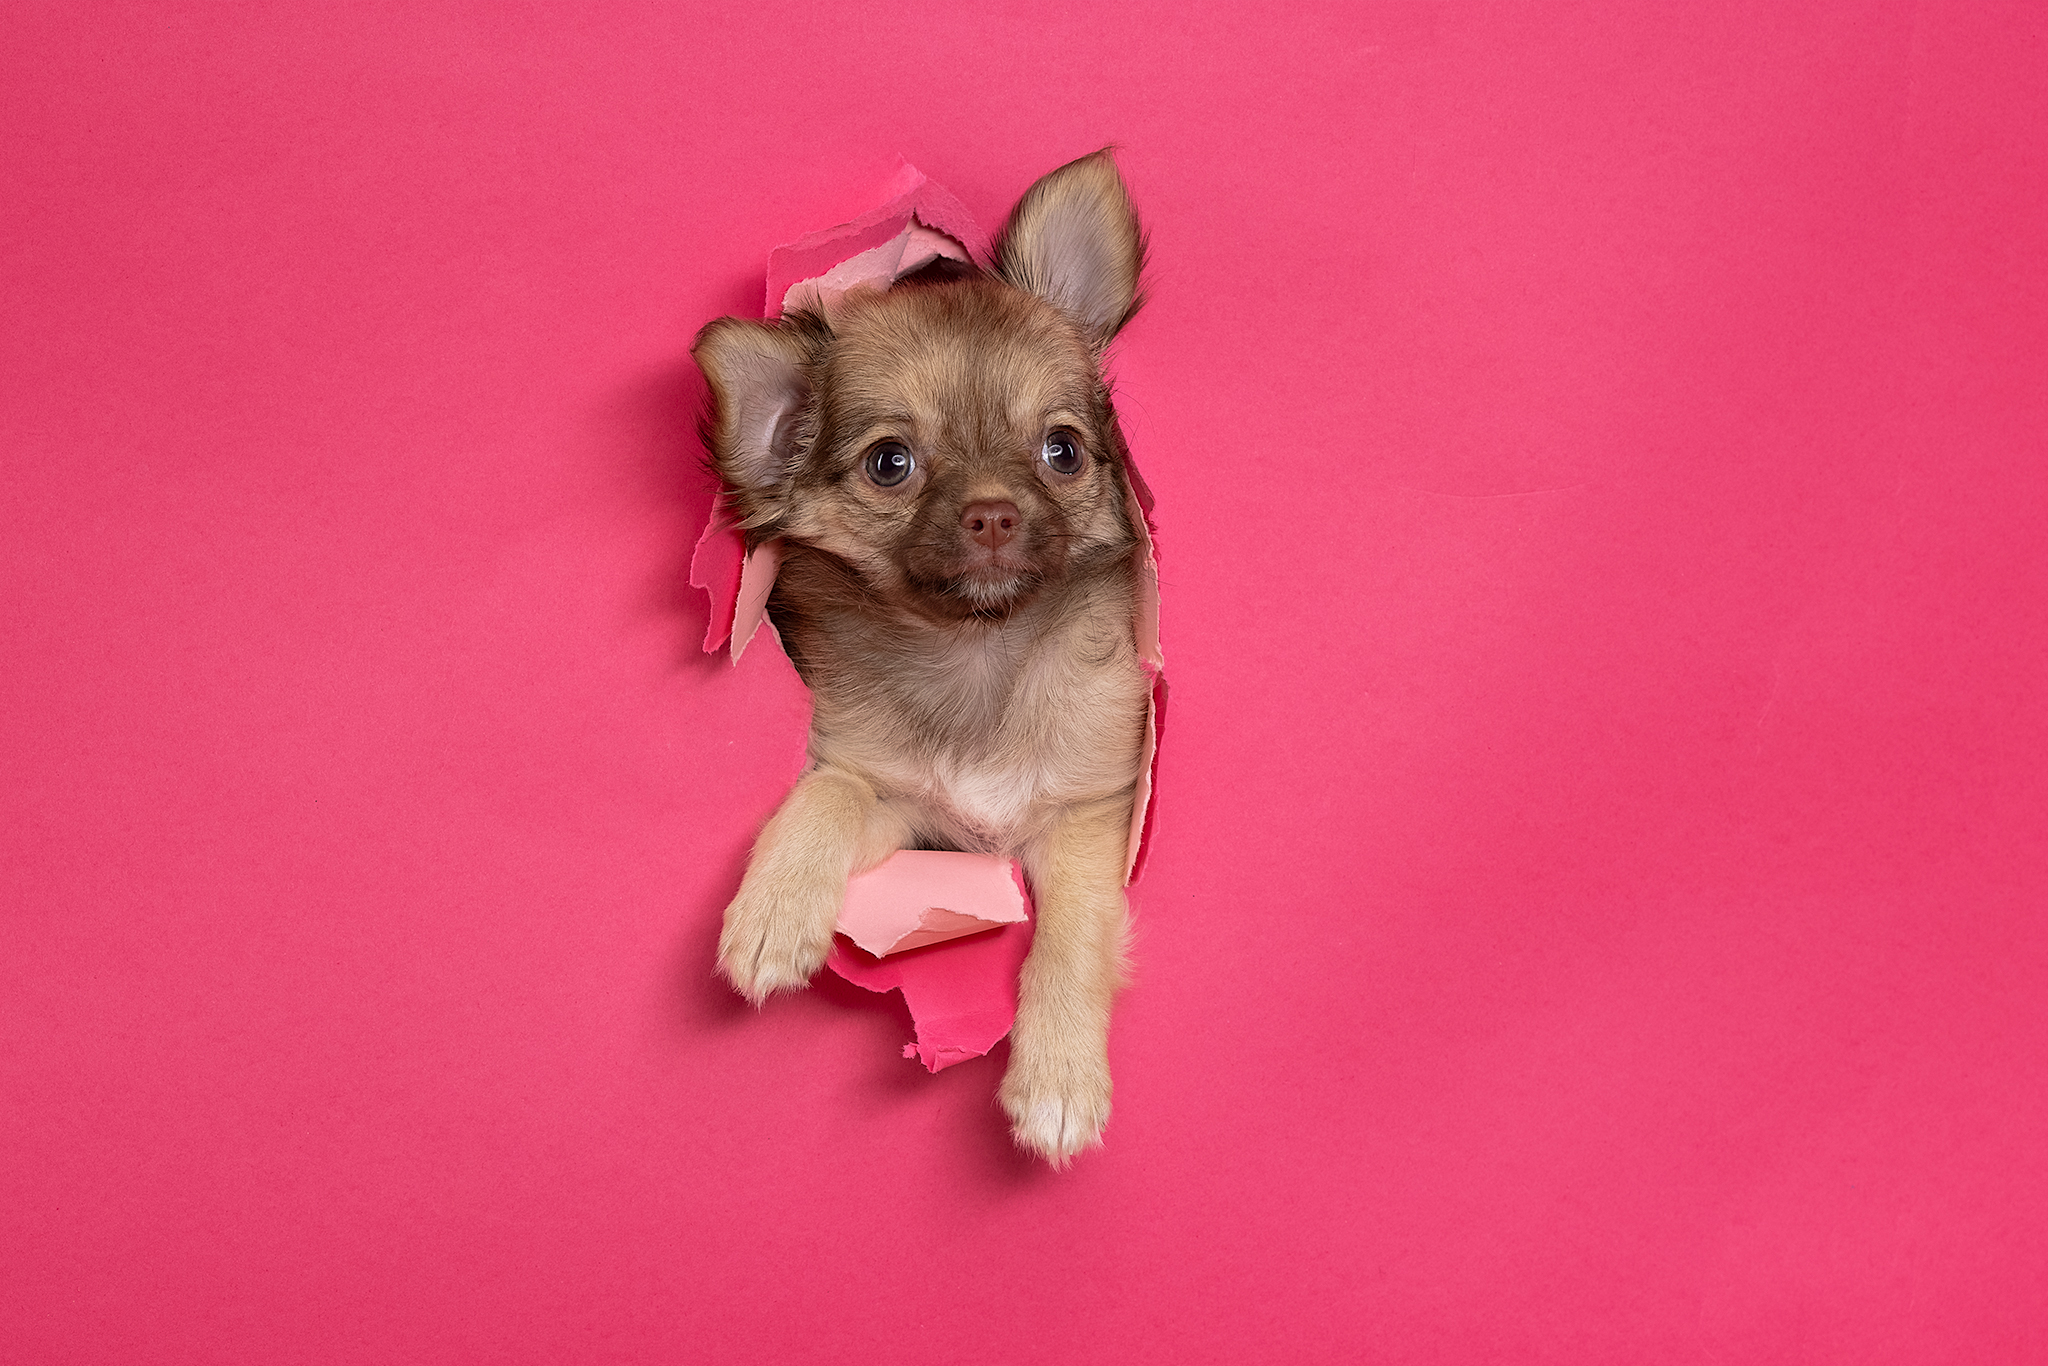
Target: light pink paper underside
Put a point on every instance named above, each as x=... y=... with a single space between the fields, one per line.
x=912 y=249
x=919 y=897
x=910 y=200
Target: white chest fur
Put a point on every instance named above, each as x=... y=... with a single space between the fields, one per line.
x=990 y=734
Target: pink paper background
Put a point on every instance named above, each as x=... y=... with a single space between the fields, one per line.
x=1596 y=906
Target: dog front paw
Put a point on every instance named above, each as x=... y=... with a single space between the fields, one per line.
x=1057 y=1095
x=775 y=939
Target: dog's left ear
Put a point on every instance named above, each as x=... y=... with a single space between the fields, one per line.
x=1074 y=241
x=759 y=389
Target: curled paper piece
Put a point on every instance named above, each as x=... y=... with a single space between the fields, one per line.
x=716 y=566
x=1145 y=634
x=962 y=993
x=919 y=897
x=914 y=248
x=750 y=609
x=916 y=224
x=737 y=581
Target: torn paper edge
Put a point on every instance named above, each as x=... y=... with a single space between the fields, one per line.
x=944 y=1034
x=910 y=250
x=961 y=894
x=910 y=196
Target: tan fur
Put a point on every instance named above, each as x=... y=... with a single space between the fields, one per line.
x=965 y=697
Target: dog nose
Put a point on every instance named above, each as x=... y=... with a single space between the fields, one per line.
x=991 y=524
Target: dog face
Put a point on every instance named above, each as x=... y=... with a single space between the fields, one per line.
x=962 y=454
x=950 y=440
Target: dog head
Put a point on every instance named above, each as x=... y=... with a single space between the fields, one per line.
x=950 y=439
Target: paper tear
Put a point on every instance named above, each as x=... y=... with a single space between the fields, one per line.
x=912 y=200
x=958 y=975
x=962 y=993
x=750 y=600
x=910 y=250
x=715 y=567
x=1145 y=635
x=918 y=897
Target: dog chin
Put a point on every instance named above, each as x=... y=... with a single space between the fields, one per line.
x=996 y=589
x=991 y=590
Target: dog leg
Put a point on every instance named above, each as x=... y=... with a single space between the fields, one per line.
x=779 y=928
x=1057 y=1088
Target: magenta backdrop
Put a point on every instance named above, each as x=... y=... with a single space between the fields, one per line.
x=1596 y=911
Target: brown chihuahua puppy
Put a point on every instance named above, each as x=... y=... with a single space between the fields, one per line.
x=945 y=470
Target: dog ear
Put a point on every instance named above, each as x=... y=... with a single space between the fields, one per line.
x=759 y=391
x=1074 y=241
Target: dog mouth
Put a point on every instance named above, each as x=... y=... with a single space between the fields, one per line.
x=992 y=585
x=966 y=575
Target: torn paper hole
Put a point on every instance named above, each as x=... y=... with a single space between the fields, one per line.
x=962 y=991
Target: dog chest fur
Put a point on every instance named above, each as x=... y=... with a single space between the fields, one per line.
x=979 y=732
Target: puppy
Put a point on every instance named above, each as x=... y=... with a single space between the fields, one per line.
x=944 y=468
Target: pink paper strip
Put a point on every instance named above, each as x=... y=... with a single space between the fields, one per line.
x=1145 y=632
x=750 y=603
x=912 y=249
x=715 y=567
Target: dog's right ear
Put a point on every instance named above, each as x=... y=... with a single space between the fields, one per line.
x=759 y=394
x=1074 y=240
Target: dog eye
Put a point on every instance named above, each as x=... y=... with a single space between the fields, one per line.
x=1061 y=452
x=889 y=464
